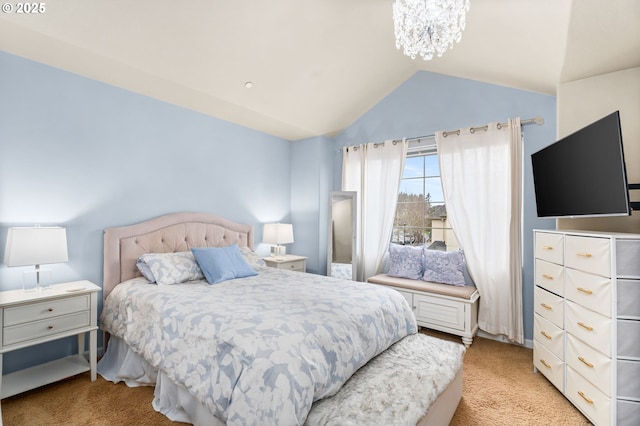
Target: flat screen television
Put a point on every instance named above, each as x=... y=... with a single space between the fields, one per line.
x=583 y=174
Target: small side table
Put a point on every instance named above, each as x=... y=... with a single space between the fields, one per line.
x=31 y=318
x=290 y=262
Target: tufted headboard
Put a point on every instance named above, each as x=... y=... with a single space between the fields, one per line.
x=165 y=234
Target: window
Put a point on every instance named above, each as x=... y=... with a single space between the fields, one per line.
x=421 y=214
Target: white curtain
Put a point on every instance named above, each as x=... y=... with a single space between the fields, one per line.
x=481 y=174
x=374 y=171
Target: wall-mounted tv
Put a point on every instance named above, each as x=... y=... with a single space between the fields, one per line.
x=583 y=174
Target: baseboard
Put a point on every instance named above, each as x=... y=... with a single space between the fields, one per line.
x=500 y=338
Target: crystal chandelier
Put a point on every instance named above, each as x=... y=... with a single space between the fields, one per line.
x=426 y=27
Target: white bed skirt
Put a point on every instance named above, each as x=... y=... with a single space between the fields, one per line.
x=121 y=364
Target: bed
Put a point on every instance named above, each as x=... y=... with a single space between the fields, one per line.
x=258 y=350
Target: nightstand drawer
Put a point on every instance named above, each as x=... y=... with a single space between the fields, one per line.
x=298 y=265
x=42 y=310
x=47 y=327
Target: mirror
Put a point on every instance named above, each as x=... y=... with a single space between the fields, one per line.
x=341 y=253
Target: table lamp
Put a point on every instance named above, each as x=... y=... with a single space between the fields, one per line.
x=278 y=233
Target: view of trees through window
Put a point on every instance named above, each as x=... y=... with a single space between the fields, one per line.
x=421 y=214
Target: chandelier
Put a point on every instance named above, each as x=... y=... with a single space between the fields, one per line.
x=426 y=27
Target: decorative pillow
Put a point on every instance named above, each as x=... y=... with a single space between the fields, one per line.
x=169 y=268
x=222 y=263
x=255 y=261
x=405 y=261
x=444 y=267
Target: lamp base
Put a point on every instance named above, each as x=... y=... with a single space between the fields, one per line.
x=37 y=280
x=278 y=252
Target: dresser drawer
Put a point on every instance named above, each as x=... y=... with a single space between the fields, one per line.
x=549 y=335
x=627 y=255
x=590 y=327
x=628 y=413
x=549 y=247
x=550 y=276
x=588 y=290
x=628 y=383
x=591 y=364
x=47 y=309
x=47 y=327
x=628 y=339
x=549 y=365
x=588 y=254
x=549 y=306
x=629 y=298
x=595 y=404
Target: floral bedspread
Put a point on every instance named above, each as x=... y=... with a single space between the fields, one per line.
x=262 y=349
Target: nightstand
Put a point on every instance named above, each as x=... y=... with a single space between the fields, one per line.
x=31 y=318
x=289 y=262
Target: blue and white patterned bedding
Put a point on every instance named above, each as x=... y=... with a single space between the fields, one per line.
x=262 y=349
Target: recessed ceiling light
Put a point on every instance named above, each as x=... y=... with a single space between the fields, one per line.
x=248 y=84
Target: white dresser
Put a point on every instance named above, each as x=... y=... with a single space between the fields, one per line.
x=587 y=321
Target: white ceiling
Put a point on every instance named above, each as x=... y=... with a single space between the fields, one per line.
x=316 y=65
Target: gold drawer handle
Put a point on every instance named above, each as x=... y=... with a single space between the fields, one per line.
x=543 y=362
x=585 y=291
x=547 y=247
x=589 y=401
x=584 y=254
x=549 y=277
x=582 y=360
x=586 y=327
x=547 y=307
x=544 y=333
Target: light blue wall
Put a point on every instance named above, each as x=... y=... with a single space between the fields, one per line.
x=430 y=102
x=86 y=155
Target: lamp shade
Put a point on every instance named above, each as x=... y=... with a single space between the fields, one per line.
x=278 y=233
x=28 y=246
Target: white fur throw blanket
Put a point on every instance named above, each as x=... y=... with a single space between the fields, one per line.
x=396 y=387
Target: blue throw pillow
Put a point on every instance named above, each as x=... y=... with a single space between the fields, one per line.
x=222 y=263
x=445 y=267
x=405 y=261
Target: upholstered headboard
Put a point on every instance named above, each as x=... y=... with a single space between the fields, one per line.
x=165 y=234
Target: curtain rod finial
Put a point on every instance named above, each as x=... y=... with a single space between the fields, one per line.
x=539 y=120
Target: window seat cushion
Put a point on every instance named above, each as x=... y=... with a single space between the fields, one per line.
x=461 y=292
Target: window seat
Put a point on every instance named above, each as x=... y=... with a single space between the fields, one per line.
x=448 y=308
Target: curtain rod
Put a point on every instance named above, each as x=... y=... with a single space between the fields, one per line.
x=537 y=120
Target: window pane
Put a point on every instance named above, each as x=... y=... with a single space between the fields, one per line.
x=410 y=214
x=436 y=210
x=413 y=167
x=412 y=187
x=433 y=189
x=432 y=167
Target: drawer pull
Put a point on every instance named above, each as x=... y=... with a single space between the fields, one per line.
x=547 y=307
x=544 y=333
x=584 y=254
x=50 y=327
x=582 y=360
x=589 y=401
x=547 y=247
x=585 y=291
x=543 y=362
x=549 y=277
x=50 y=309
x=586 y=327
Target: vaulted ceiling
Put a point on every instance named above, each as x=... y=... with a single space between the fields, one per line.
x=316 y=65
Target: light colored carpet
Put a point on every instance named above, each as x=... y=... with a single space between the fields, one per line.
x=500 y=388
